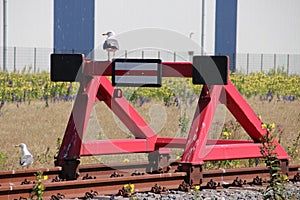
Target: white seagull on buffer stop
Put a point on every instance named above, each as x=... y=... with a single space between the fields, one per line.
x=27 y=158
x=111 y=43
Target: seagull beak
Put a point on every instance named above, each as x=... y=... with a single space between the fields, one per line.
x=16 y=145
x=104 y=34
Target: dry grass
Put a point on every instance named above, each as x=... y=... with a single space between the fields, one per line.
x=39 y=127
x=35 y=125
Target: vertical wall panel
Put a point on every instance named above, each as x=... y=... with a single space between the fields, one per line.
x=225 y=27
x=73 y=26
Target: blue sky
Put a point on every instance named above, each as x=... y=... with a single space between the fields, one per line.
x=264 y=26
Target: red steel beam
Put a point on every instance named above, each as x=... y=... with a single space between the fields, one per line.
x=169 y=69
x=196 y=149
x=104 y=147
x=232 y=151
x=243 y=113
x=237 y=151
x=198 y=135
x=181 y=142
x=70 y=147
x=126 y=113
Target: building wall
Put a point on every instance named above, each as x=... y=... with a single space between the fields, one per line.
x=269 y=26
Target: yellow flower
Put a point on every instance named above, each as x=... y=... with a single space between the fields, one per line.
x=40 y=187
x=197 y=187
x=264 y=126
x=273 y=125
x=126 y=160
x=285 y=177
x=259 y=116
x=226 y=133
x=129 y=187
x=45 y=177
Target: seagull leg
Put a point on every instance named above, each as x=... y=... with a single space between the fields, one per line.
x=108 y=56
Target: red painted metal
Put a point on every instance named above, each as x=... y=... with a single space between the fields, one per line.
x=169 y=69
x=196 y=143
x=102 y=147
x=100 y=88
x=197 y=147
x=126 y=113
x=70 y=148
x=181 y=142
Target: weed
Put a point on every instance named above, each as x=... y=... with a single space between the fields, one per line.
x=276 y=187
x=127 y=190
x=183 y=124
x=231 y=130
x=293 y=150
x=196 y=192
x=39 y=188
x=3 y=160
x=44 y=157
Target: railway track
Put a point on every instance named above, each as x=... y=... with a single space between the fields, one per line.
x=105 y=180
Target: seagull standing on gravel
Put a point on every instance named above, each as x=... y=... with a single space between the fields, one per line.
x=111 y=43
x=27 y=158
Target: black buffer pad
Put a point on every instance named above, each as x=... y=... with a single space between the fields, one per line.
x=210 y=70
x=65 y=67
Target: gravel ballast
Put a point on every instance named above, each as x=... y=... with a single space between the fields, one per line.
x=248 y=193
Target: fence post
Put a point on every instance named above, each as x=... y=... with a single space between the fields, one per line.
x=174 y=56
x=275 y=62
x=34 y=60
x=15 y=60
x=158 y=54
x=288 y=64
x=261 y=62
x=233 y=62
x=247 y=64
x=142 y=54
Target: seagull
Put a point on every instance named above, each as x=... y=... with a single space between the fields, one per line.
x=111 y=43
x=27 y=158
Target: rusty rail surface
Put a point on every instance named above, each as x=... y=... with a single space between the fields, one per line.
x=105 y=180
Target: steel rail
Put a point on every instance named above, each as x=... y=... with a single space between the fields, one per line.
x=100 y=182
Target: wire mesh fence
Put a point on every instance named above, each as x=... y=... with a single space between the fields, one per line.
x=286 y=63
x=34 y=60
